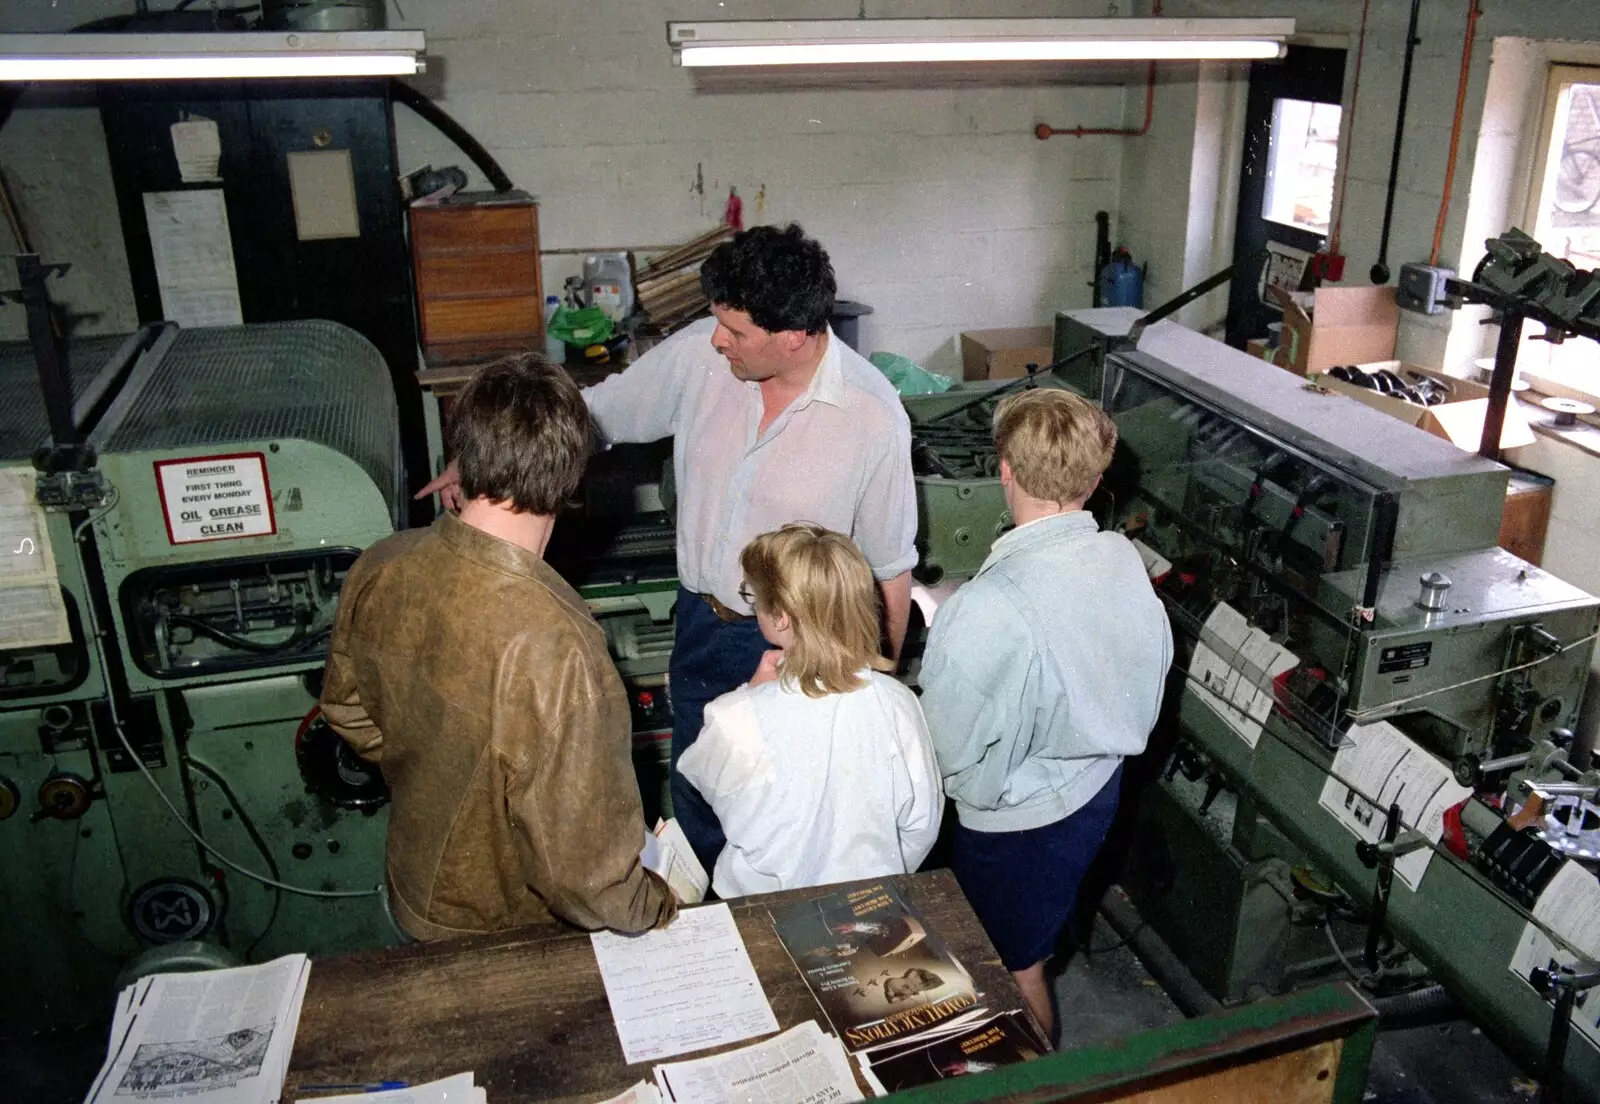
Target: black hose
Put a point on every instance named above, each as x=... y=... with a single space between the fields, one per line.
x=296 y=641
x=1380 y=270
x=1164 y=966
x=1421 y=1008
x=454 y=131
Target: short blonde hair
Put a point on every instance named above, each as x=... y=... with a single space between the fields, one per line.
x=1057 y=443
x=820 y=580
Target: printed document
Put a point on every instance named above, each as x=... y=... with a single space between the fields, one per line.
x=1569 y=906
x=801 y=1066
x=1234 y=666
x=687 y=987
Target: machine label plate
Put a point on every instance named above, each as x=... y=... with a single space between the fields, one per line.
x=1404 y=657
x=207 y=498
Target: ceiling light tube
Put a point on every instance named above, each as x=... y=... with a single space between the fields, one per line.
x=896 y=41
x=116 y=57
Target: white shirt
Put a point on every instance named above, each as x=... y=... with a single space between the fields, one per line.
x=817 y=790
x=839 y=455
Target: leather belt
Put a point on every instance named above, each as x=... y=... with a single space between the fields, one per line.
x=724 y=614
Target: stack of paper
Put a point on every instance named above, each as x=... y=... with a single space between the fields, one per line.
x=667 y=852
x=1379 y=766
x=216 y=1037
x=1233 y=669
x=459 y=1089
x=802 y=1066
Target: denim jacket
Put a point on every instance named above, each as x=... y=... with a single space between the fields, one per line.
x=1043 y=672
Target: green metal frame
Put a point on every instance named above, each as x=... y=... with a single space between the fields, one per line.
x=1182 y=1051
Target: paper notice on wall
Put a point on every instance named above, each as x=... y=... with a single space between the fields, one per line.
x=198 y=147
x=32 y=612
x=1379 y=766
x=207 y=498
x=1569 y=906
x=193 y=251
x=1233 y=669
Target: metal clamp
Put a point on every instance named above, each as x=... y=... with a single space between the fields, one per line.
x=1561 y=984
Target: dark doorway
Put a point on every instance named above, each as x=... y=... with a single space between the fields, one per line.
x=1286 y=181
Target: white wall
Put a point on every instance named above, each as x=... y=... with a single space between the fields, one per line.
x=940 y=208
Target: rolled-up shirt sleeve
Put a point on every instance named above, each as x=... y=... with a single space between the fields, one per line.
x=642 y=403
x=885 y=525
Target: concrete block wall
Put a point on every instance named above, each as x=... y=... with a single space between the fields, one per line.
x=940 y=208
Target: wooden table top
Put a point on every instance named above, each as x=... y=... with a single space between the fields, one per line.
x=526 y=1011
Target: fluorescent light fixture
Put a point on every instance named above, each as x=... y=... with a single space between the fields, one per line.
x=112 y=57
x=893 y=41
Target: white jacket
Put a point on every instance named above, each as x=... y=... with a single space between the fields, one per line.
x=816 y=790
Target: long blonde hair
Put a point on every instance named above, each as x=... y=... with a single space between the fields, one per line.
x=820 y=580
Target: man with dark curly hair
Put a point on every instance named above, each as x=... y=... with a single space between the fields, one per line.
x=773 y=420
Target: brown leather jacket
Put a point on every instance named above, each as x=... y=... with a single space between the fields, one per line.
x=479 y=682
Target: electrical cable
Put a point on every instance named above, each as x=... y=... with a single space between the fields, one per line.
x=1356 y=975
x=255 y=837
x=138 y=761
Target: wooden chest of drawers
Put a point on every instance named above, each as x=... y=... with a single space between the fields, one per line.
x=479 y=290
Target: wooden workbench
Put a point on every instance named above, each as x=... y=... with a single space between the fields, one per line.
x=525 y=1010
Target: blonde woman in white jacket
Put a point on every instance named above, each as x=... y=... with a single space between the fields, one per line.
x=820 y=768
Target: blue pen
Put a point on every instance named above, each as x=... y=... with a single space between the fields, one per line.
x=371 y=1086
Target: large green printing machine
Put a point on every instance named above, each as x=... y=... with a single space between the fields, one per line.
x=1351 y=643
x=1288 y=530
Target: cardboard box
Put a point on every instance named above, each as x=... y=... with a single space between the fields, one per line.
x=1347 y=325
x=1005 y=354
x=1459 y=421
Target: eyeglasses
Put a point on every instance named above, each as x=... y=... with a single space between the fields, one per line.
x=746 y=595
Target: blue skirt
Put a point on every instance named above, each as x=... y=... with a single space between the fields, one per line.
x=1024 y=885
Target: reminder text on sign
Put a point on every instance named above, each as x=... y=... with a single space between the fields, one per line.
x=209 y=498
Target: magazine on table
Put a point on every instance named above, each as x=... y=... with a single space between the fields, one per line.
x=988 y=1044
x=879 y=972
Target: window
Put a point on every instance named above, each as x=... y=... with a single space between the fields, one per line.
x=1301 y=158
x=1564 y=215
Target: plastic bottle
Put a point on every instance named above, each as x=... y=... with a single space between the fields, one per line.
x=610 y=283
x=554 y=348
x=1122 y=281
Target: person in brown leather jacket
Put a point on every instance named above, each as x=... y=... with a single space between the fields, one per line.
x=478 y=681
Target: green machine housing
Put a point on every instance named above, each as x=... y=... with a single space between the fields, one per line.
x=247 y=468
x=1366 y=549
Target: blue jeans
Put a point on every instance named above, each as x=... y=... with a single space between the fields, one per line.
x=709 y=658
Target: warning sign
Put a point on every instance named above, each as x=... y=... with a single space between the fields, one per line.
x=209 y=498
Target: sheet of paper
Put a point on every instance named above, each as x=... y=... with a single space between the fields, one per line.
x=457 y=1089
x=1570 y=906
x=214 y=1037
x=687 y=987
x=198 y=147
x=322 y=186
x=193 y=250
x=1234 y=665
x=32 y=612
x=1384 y=767
x=801 y=1066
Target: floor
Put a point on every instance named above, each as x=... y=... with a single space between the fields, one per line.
x=1107 y=995
x=1102 y=996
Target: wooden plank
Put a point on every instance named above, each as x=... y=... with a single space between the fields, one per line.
x=527 y=1012
x=448 y=320
x=1298 y=1077
x=483 y=275
x=1183 y=1051
x=471 y=229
